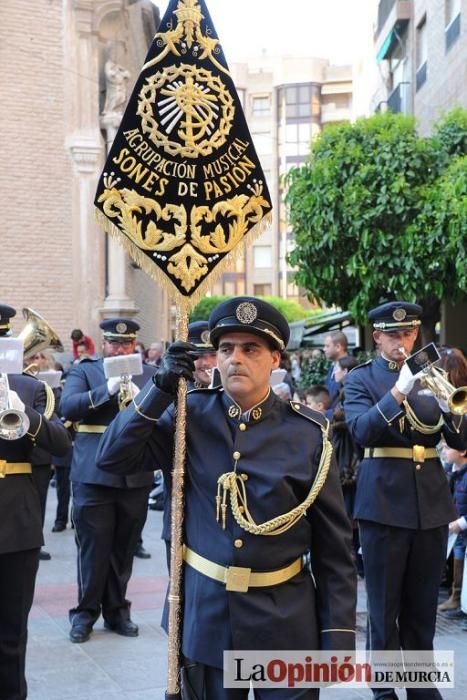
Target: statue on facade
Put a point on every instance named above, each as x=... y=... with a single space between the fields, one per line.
x=116 y=78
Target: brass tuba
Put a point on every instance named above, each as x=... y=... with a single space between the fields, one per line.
x=37 y=334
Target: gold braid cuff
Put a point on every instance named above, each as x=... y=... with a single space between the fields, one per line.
x=233 y=482
x=138 y=410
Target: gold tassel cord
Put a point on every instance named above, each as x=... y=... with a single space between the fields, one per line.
x=233 y=483
x=417 y=424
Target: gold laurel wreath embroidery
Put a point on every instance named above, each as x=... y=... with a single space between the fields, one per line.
x=190 y=263
x=198 y=106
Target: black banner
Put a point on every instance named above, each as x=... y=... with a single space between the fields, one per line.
x=182 y=187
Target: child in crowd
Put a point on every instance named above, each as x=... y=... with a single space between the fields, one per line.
x=317 y=397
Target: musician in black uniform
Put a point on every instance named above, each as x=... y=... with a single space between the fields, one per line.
x=403 y=503
x=243 y=439
x=20 y=520
x=109 y=511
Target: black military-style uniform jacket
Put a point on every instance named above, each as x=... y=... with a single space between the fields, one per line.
x=20 y=512
x=393 y=491
x=87 y=402
x=277 y=448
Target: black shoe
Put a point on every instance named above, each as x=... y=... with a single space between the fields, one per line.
x=58 y=527
x=141 y=553
x=127 y=628
x=44 y=556
x=80 y=633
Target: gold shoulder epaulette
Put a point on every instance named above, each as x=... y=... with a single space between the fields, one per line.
x=309 y=413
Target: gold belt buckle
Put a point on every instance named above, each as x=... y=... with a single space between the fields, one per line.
x=3 y=464
x=418 y=453
x=237 y=579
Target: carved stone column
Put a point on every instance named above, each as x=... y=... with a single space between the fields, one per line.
x=85 y=147
x=117 y=301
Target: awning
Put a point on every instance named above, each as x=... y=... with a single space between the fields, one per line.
x=386 y=46
x=302 y=332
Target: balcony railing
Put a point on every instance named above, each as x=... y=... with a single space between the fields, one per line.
x=453 y=32
x=395 y=100
x=420 y=76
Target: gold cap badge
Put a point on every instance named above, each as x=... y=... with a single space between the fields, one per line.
x=121 y=327
x=246 y=312
x=205 y=337
x=399 y=314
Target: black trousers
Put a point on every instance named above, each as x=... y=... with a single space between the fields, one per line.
x=62 y=481
x=403 y=569
x=108 y=522
x=17 y=580
x=208 y=685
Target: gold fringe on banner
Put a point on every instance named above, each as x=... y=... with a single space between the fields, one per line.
x=187 y=303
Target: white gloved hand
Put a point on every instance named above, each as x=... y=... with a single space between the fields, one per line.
x=14 y=401
x=407 y=380
x=113 y=385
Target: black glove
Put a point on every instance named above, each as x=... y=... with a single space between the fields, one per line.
x=177 y=362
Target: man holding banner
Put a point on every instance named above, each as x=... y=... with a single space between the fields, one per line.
x=262 y=492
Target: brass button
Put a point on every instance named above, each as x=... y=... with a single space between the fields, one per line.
x=242 y=427
x=236 y=455
x=241 y=509
x=244 y=477
x=418 y=467
x=238 y=543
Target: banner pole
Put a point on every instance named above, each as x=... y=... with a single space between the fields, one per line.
x=176 y=554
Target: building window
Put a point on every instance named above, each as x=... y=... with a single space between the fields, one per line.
x=261 y=105
x=421 y=54
x=262 y=290
x=262 y=256
x=453 y=22
x=298 y=101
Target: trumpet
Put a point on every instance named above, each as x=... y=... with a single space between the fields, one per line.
x=125 y=367
x=125 y=395
x=13 y=422
x=435 y=379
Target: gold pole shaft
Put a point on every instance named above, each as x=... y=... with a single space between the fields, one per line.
x=176 y=561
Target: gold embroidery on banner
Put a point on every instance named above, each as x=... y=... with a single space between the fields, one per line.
x=188 y=100
x=190 y=263
x=187 y=36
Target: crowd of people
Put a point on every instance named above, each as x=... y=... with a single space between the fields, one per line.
x=375 y=514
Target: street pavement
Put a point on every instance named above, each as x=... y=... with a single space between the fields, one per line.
x=110 y=667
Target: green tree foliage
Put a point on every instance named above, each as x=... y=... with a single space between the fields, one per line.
x=292 y=310
x=202 y=311
x=364 y=204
